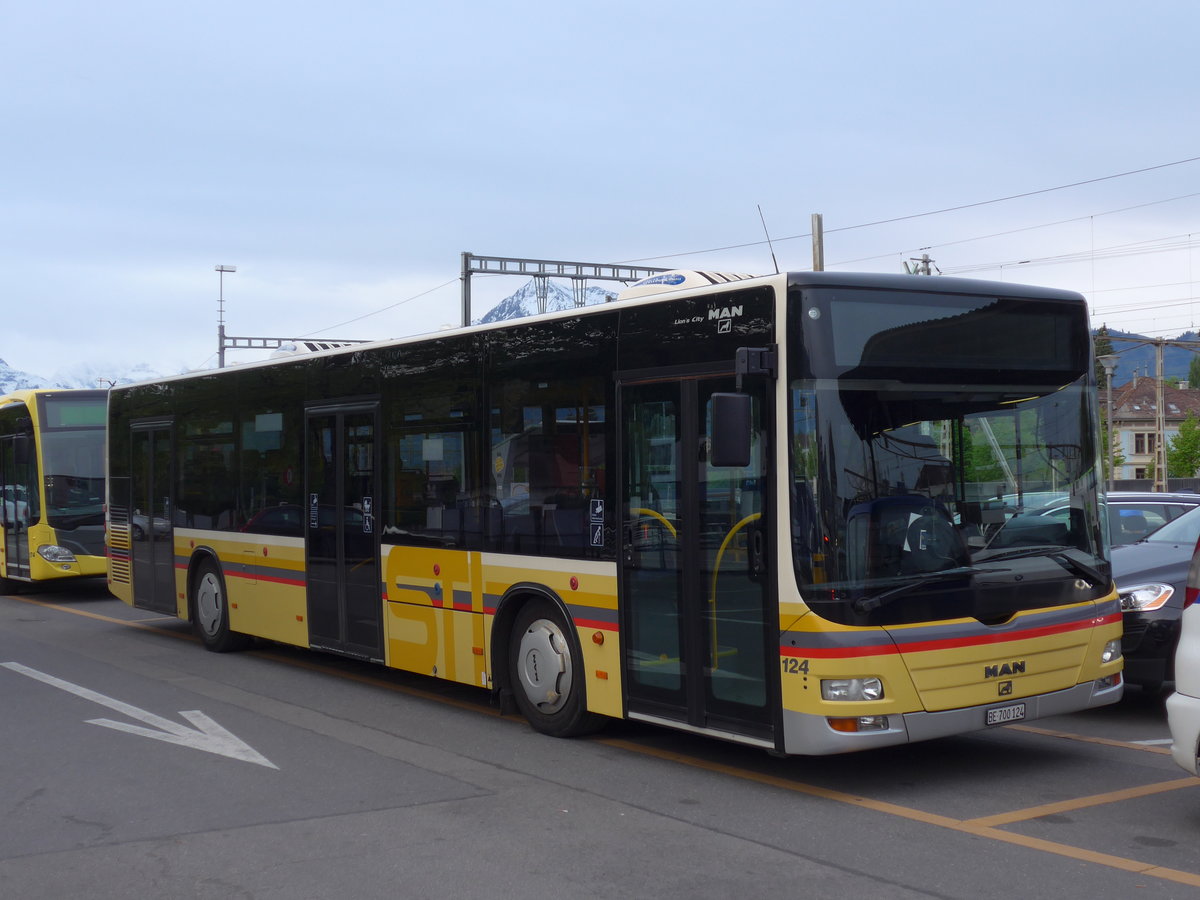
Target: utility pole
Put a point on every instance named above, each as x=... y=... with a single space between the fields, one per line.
x=924 y=265
x=1160 y=421
x=1109 y=362
x=818 y=241
x=221 y=270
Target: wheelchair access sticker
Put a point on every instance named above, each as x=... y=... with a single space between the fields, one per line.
x=596 y=522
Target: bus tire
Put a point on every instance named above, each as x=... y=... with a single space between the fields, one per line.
x=210 y=610
x=546 y=673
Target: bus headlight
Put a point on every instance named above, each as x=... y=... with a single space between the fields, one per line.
x=851 y=689
x=55 y=554
x=1144 y=596
x=1112 y=650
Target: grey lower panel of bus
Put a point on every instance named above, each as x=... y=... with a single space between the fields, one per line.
x=807 y=734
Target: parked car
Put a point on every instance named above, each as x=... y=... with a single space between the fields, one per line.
x=1151 y=577
x=1132 y=515
x=16 y=506
x=141 y=525
x=1183 y=706
x=287 y=520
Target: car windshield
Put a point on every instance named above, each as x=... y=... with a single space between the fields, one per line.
x=1184 y=530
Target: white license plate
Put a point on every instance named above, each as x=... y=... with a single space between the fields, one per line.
x=1004 y=714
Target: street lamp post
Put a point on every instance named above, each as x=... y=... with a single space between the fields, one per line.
x=1109 y=362
x=221 y=270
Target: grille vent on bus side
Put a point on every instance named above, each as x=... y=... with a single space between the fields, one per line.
x=120 y=546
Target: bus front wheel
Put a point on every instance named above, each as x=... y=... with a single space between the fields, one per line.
x=547 y=673
x=210 y=607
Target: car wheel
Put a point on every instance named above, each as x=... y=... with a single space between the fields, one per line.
x=210 y=611
x=546 y=673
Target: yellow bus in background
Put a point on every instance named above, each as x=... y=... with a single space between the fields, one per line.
x=764 y=510
x=52 y=482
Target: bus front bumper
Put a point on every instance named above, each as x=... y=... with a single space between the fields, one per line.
x=812 y=735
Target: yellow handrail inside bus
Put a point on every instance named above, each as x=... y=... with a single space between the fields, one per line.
x=660 y=517
x=712 y=597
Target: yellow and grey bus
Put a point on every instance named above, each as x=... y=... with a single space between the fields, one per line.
x=52 y=481
x=765 y=510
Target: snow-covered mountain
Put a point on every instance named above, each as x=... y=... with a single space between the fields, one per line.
x=79 y=375
x=558 y=297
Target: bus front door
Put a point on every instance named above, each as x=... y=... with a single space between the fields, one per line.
x=695 y=587
x=151 y=529
x=19 y=485
x=345 y=606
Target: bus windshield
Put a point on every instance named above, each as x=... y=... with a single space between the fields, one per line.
x=73 y=460
x=921 y=427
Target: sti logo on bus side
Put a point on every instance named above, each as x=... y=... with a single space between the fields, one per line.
x=1016 y=667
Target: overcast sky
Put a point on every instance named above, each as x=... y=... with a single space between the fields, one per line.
x=342 y=156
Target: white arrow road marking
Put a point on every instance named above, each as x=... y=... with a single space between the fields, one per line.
x=207 y=735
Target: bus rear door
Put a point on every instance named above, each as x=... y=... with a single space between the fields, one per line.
x=152 y=533
x=345 y=605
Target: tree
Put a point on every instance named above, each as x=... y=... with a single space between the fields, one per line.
x=1193 y=378
x=1183 y=450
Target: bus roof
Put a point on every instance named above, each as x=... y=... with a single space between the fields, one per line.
x=711 y=282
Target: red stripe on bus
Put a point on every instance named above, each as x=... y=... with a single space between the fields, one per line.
x=272 y=579
x=592 y=623
x=975 y=640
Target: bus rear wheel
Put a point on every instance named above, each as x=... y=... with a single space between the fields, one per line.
x=210 y=608
x=546 y=673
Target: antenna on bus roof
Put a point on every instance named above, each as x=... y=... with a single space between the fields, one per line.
x=768 y=234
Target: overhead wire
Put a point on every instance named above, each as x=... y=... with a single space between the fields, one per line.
x=383 y=309
x=887 y=221
x=984 y=237
x=933 y=212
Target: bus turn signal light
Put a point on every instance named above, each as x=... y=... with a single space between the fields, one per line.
x=855 y=724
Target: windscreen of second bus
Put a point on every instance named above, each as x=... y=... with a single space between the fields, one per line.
x=73 y=460
x=930 y=435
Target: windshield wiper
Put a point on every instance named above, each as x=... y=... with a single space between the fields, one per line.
x=1059 y=554
x=867 y=604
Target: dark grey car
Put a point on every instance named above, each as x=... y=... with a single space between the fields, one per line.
x=1151 y=575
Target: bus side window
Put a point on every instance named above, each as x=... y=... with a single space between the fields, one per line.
x=430 y=489
x=546 y=437
x=547 y=456
x=430 y=493
x=272 y=475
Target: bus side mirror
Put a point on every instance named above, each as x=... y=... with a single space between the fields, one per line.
x=729 y=442
x=22 y=451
